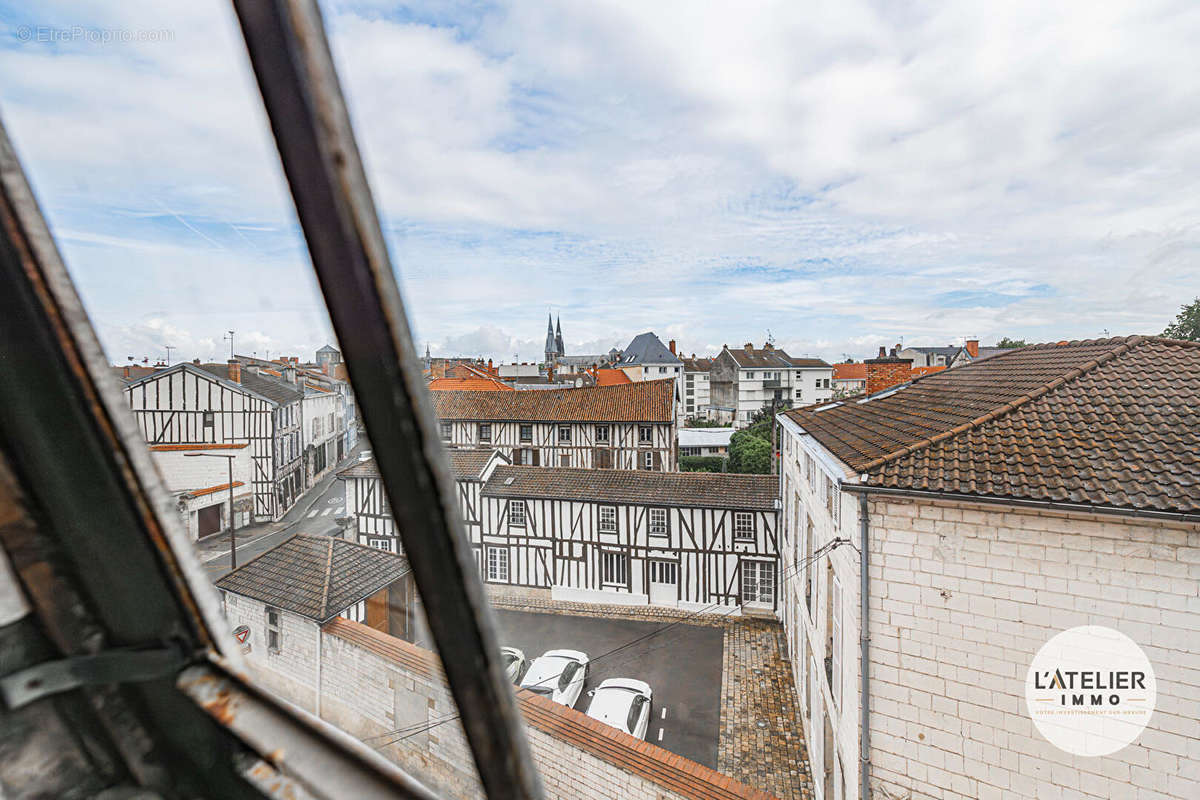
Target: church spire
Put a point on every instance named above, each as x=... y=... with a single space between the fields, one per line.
x=558 y=342
x=551 y=348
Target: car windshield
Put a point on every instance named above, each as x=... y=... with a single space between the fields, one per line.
x=635 y=712
x=568 y=674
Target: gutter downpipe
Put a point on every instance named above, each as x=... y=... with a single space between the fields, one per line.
x=864 y=645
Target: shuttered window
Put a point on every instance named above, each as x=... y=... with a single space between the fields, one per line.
x=614 y=568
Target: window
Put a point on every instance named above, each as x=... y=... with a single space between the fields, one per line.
x=614 y=568
x=564 y=433
x=758 y=582
x=645 y=434
x=750 y=376
x=526 y=433
x=274 y=630
x=497 y=564
x=658 y=522
x=798 y=393
x=380 y=544
x=447 y=430
x=564 y=460
x=648 y=459
x=662 y=370
x=743 y=525
x=316 y=427
x=608 y=519
x=602 y=432
x=516 y=513
x=485 y=431
x=208 y=419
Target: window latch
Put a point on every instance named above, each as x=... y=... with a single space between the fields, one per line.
x=109 y=667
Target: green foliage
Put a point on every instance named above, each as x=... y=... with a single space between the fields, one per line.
x=703 y=423
x=749 y=453
x=1186 y=324
x=701 y=463
x=1011 y=344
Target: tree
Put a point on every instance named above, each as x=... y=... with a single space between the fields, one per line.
x=1011 y=344
x=696 y=422
x=1186 y=324
x=749 y=453
x=701 y=463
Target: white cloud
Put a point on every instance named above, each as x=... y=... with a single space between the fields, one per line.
x=841 y=174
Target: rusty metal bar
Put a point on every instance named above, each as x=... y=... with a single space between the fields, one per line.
x=295 y=746
x=296 y=76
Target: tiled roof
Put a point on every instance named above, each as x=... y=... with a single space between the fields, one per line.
x=766 y=359
x=641 y=487
x=276 y=389
x=697 y=364
x=468 y=384
x=135 y=372
x=1111 y=422
x=648 y=401
x=674 y=773
x=646 y=348
x=611 y=377
x=315 y=576
x=850 y=372
x=919 y=371
x=465 y=464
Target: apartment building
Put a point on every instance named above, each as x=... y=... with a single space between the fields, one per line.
x=963 y=519
x=745 y=380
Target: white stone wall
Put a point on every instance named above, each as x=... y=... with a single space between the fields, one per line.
x=292 y=672
x=962 y=599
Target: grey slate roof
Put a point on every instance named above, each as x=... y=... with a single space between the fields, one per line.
x=636 y=487
x=315 y=576
x=276 y=389
x=328 y=349
x=756 y=358
x=464 y=465
x=646 y=348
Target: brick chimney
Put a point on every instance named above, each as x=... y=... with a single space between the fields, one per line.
x=768 y=346
x=127 y=372
x=671 y=346
x=196 y=361
x=748 y=347
x=886 y=370
x=973 y=348
x=235 y=370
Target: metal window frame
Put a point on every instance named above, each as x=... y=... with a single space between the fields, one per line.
x=201 y=732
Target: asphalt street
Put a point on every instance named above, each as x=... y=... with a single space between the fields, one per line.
x=314 y=513
x=682 y=664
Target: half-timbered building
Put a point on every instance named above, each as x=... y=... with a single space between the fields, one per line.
x=367 y=503
x=203 y=404
x=629 y=426
x=697 y=540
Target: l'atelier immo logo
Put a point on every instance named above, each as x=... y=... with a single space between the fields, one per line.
x=1090 y=690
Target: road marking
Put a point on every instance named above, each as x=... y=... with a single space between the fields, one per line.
x=334 y=500
x=660 y=734
x=341 y=510
x=664 y=714
x=313 y=513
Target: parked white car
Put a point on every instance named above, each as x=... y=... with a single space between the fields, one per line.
x=558 y=675
x=514 y=663
x=622 y=703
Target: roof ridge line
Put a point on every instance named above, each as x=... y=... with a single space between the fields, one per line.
x=251 y=560
x=1071 y=374
x=328 y=578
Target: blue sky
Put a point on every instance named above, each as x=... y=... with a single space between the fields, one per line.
x=838 y=175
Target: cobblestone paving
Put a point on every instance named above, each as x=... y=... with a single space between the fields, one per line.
x=762 y=741
x=756 y=687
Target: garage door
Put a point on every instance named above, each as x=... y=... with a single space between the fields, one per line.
x=209 y=520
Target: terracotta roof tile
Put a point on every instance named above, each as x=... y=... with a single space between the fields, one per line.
x=1112 y=422
x=161 y=448
x=648 y=401
x=850 y=372
x=211 y=489
x=469 y=384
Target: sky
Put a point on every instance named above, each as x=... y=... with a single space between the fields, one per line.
x=834 y=176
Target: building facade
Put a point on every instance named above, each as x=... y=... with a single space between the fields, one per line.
x=696 y=396
x=698 y=541
x=630 y=426
x=205 y=404
x=746 y=380
x=975 y=554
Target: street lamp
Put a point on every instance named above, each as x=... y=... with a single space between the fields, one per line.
x=232 y=535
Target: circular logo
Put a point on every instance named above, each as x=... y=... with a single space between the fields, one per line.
x=1090 y=690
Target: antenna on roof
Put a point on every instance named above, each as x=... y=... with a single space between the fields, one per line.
x=230 y=338
x=169 y=348
x=770 y=338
